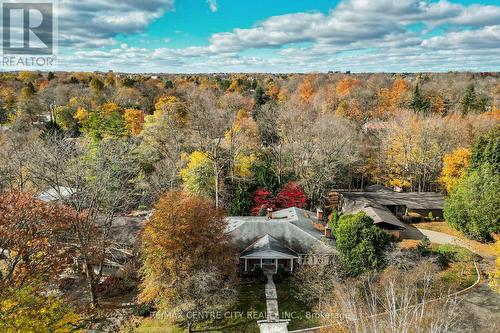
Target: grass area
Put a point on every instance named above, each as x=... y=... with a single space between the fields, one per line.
x=459 y=272
x=300 y=314
x=252 y=305
x=486 y=250
x=151 y=325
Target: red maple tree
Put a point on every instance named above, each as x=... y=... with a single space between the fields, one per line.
x=291 y=195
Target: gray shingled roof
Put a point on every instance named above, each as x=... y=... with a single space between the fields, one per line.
x=412 y=200
x=292 y=227
x=268 y=247
x=372 y=203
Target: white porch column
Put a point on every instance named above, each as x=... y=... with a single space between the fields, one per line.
x=246 y=268
x=260 y=263
x=276 y=265
x=291 y=265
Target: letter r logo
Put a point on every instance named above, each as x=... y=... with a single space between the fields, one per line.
x=27 y=28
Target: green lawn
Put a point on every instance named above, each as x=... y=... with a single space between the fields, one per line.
x=250 y=307
x=460 y=272
x=288 y=304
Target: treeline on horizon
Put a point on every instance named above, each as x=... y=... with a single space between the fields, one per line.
x=244 y=139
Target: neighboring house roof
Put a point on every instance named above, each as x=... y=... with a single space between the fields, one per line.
x=374 y=204
x=58 y=193
x=377 y=188
x=294 y=228
x=412 y=200
x=126 y=229
x=268 y=246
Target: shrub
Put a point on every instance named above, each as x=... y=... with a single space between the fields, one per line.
x=258 y=273
x=142 y=310
x=361 y=244
x=281 y=275
x=424 y=247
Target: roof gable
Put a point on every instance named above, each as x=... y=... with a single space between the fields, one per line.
x=268 y=246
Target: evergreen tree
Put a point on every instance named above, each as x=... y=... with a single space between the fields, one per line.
x=419 y=104
x=468 y=102
x=52 y=130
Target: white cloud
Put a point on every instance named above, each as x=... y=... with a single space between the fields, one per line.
x=480 y=39
x=212 y=4
x=94 y=23
x=357 y=35
x=352 y=22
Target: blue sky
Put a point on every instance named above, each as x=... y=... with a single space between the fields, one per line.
x=279 y=35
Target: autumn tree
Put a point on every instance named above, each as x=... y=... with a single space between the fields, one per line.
x=413 y=149
x=210 y=119
x=454 y=166
x=29 y=309
x=291 y=195
x=163 y=142
x=31 y=239
x=198 y=176
x=134 y=120
x=102 y=178
x=306 y=90
x=188 y=259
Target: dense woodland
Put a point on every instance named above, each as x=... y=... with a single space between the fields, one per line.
x=241 y=138
x=111 y=144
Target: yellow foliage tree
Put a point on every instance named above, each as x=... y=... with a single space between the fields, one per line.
x=272 y=90
x=495 y=275
x=198 y=176
x=26 y=310
x=389 y=100
x=454 y=166
x=81 y=115
x=108 y=108
x=134 y=121
x=172 y=105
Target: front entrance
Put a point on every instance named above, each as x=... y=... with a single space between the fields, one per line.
x=269 y=265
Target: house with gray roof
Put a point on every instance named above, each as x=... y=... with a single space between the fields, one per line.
x=285 y=238
x=386 y=208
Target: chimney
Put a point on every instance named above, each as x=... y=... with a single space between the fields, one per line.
x=328 y=233
x=319 y=214
x=269 y=213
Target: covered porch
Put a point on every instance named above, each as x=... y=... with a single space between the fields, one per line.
x=268 y=254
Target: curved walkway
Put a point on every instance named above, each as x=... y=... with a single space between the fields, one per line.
x=483 y=302
x=441 y=238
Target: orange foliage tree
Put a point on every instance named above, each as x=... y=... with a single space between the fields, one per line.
x=346 y=86
x=185 y=249
x=31 y=234
x=134 y=121
x=306 y=90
